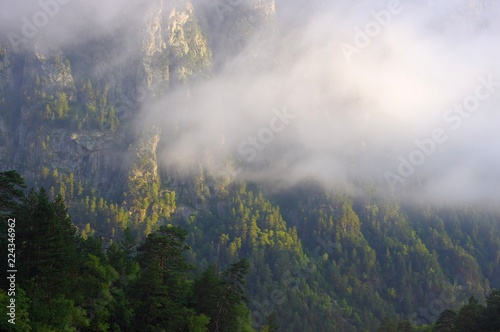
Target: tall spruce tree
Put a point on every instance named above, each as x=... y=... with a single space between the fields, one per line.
x=492 y=313
x=445 y=322
x=48 y=253
x=162 y=289
x=470 y=317
x=387 y=325
x=221 y=296
x=11 y=191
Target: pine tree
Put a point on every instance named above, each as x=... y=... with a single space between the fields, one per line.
x=48 y=241
x=272 y=324
x=48 y=249
x=162 y=290
x=61 y=105
x=470 y=317
x=404 y=326
x=445 y=322
x=387 y=325
x=492 y=313
x=11 y=191
x=221 y=297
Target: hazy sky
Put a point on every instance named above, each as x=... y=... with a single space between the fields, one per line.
x=344 y=92
x=357 y=113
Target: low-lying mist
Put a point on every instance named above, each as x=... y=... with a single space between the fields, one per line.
x=399 y=94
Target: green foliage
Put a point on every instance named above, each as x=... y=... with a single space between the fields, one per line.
x=162 y=288
x=93 y=215
x=472 y=316
x=87 y=109
x=48 y=243
x=404 y=326
x=72 y=284
x=22 y=319
x=317 y=260
x=220 y=296
x=492 y=312
x=272 y=324
x=93 y=110
x=445 y=322
x=11 y=191
x=148 y=202
x=198 y=323
x=387 y=325
x=61 y=107
x=11 y=195
x=48 y=248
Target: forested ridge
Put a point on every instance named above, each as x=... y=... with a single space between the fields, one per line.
x=65 y=282
x=214 y=271
x=136 y=210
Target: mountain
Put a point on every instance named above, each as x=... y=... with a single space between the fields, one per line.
x=115 y=116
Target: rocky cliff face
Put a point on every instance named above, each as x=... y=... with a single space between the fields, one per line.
x=229 y=25
x=173 y=49
x=169 y=50
x=465 y=11
x=73 y=109
x=6 y=79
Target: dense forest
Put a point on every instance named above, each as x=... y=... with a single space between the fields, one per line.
x=65 y=282
x=70 y=280
x=135 y=209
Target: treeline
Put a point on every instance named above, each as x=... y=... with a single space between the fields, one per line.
x=65 y=282
x=81 y=106
x=472 y=317
x=317 y=260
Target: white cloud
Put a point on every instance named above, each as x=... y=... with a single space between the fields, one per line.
x=353 y=119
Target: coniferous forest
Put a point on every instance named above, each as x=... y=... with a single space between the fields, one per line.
x=249 y=165
x=69 y=281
